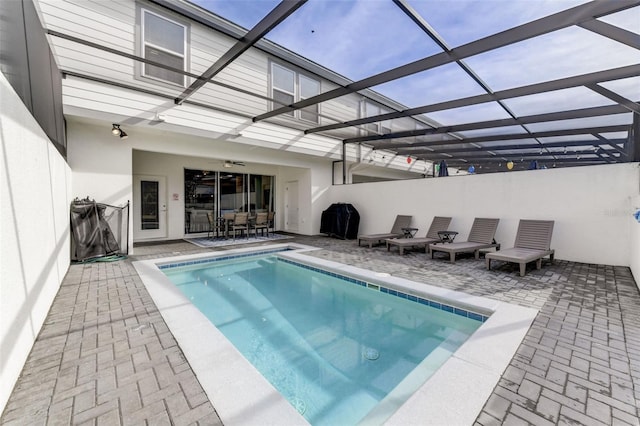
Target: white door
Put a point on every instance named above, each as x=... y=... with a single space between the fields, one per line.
x=291 y=206
x=149 y=207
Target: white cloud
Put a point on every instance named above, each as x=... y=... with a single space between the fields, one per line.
x=560 y=54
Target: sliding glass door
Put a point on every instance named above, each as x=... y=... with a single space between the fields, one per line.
x=260 y=193
x=233 y=196
x=221 y=192
x=201 y=197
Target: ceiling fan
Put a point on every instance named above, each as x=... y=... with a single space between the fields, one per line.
x=227 y=164
x=157 y=119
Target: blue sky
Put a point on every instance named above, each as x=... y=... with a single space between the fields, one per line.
x=360 y=38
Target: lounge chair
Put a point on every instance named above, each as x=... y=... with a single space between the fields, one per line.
x=396 y=231
x=533 y=240
x=438 y=223
x=480 y=237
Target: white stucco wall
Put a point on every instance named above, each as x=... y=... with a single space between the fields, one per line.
x=34 y=232
x=635 y=242
x=103 y=166
x=591 y=206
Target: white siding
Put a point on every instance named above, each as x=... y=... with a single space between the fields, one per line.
x=114 y=26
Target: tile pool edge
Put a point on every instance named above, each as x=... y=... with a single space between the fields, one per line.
x=455 y=394
x=238 y=392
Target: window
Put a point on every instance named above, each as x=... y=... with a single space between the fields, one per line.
x=308 y=89
x=163 y=41
x=370 y=109
x=289 y=87
x=283 y=86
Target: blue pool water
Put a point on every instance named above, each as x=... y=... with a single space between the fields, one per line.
x=332 y=348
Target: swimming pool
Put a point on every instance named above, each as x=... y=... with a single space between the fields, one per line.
x=334 y=347
x=241 y=395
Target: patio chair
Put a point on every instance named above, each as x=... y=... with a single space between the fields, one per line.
x=271 y=221
x=227 y=219
x=215 y=225
x=438 y=223
x=533 y=242
x=480 y=237
x=396 y=231
x=240 y=223
x=261 y=222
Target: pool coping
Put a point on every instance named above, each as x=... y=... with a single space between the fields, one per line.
x=455 y=394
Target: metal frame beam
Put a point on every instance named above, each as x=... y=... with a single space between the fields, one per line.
x=530 y=119
x=591 y=142
x=573 y=16
x=273 y=18
x=634 y=139
x=150 y=62
x=614 y=33
x=527 y=156
x=533 y=89
x=507 y=137
x=627 y=103
x=452 y=162
x=613 y=143
x=424 y=26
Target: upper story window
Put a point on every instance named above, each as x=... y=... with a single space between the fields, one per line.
x=164 y=41
x=288 y=86
x=369 y=109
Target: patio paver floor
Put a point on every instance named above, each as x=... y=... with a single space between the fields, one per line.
x=105 y=355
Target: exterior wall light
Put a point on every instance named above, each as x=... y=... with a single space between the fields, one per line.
x=117 y=131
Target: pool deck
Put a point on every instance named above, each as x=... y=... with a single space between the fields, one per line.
x=106 y=356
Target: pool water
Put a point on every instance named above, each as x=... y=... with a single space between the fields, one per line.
x=336 y=351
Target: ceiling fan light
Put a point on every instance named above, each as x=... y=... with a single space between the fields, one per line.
x=228 y=164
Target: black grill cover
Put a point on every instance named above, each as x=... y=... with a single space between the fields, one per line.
x=340 y=220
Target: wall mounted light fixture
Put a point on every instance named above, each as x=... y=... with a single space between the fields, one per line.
x=117 y=131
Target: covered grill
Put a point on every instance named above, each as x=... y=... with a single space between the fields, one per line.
x=340 y=220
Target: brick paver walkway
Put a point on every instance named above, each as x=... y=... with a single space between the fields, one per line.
x=105 y=356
